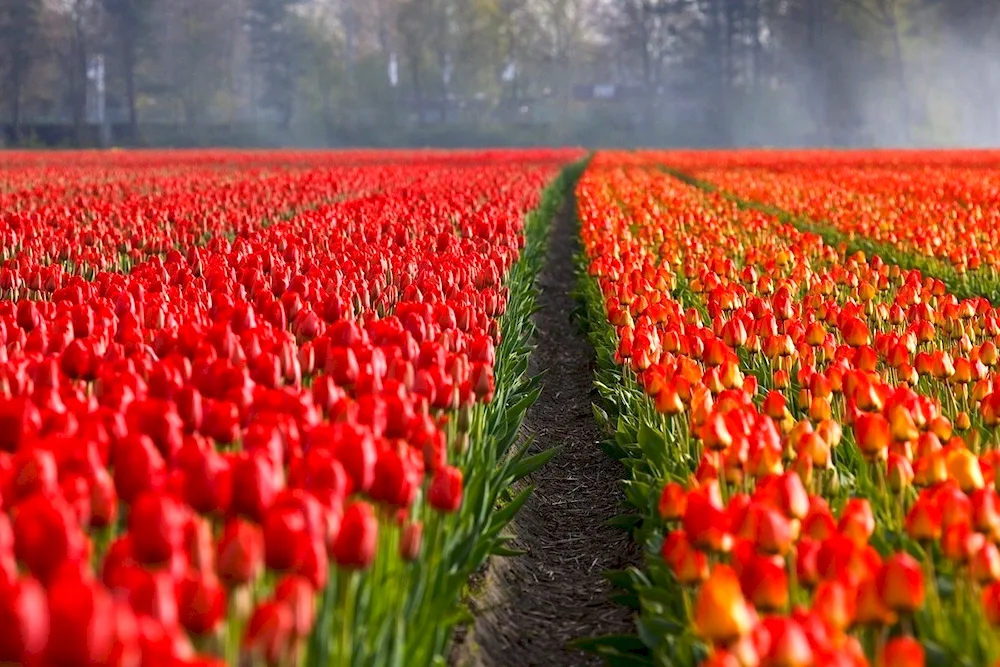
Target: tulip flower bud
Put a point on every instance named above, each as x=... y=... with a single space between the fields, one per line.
x=857 y=521
x=24 y=631
x=871 y=609
x=689 y=565
x=668 y=401
x=872 y=433
x=901 y=583
x=963 y=467
x=446 y=489
x=899 y=473
x=789 y=645
x=411 y=540
x=270 y=632
x=772 y=530
x=355 y=545
x=240 y=554
x=156 y=524
x=901 y=652
x=46 y=536
x=298 y=595
x=985 y=564
x=836 y=602
x=721 y=613
x=991 y=604
x=79 y=610
x=282 y=527
x=765 y=582
x=673 y=502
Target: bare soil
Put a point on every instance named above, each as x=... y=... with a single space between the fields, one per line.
x=529 y=607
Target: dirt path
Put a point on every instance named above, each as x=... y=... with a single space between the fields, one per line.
x=530 y=606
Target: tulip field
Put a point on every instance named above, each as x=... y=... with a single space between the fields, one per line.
x=809 y=426
x=259 y=408
x=268 y=408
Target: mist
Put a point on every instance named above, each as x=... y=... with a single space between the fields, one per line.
x=451 y=73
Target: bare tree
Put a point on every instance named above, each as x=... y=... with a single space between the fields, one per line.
x=19 y=32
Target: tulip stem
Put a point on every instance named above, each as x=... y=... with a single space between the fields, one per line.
x=688 y=612
x=348 y=591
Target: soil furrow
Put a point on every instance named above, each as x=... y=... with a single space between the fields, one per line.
x=529 y=607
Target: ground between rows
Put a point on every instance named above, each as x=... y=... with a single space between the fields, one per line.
x=529 y=607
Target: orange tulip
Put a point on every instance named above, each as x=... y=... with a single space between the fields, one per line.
x=871 y=609
x=668 y=401
x=705 y=522
x=902 y=424
x=923 y=522
x=855 y=332
x=985 y=564
x=836 y=602
x=901 y=652
x=689 y=565
x=673 y=502
x=770 y=530
x=765 y=582
x=857 y=521
x=963 y=467
x=721 y=613
x=901 y=583
x=872 y=434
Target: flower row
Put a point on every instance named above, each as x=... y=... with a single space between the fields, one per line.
x=941 y=209
x=272 y=427
x=759 y=361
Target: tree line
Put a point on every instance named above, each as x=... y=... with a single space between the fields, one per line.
x=328 y=72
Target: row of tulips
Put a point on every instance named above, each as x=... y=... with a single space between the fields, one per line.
x=286 y=444
x=929 y=213
x=806 y=433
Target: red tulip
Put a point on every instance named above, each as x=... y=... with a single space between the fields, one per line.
x=24 y=621
x=410 y=542
x=299 y=597
x=355 y=544
x=788 y=645
x=901 y=583
x=79 y=610
x=201 y=602
x=446 y=489
x=270 y=631
x=240 y=555
x=46 y=536
x=902 y=652
x=283 y=527
x=156 y=524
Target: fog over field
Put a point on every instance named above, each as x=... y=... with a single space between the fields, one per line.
x=482 y=72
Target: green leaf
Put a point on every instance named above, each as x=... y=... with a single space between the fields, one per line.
x=506 y=552
x=651 y=442
x=600 y=416
x=613 y=450
x=507 y=512
x=533 y=463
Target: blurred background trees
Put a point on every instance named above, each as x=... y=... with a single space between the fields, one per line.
x=475 y=72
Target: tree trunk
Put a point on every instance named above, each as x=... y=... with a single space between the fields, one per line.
x=78 y=82
x=905 y=102
x=418 y=90
x=15 y=104
x=819 y=73
x=128 y=61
